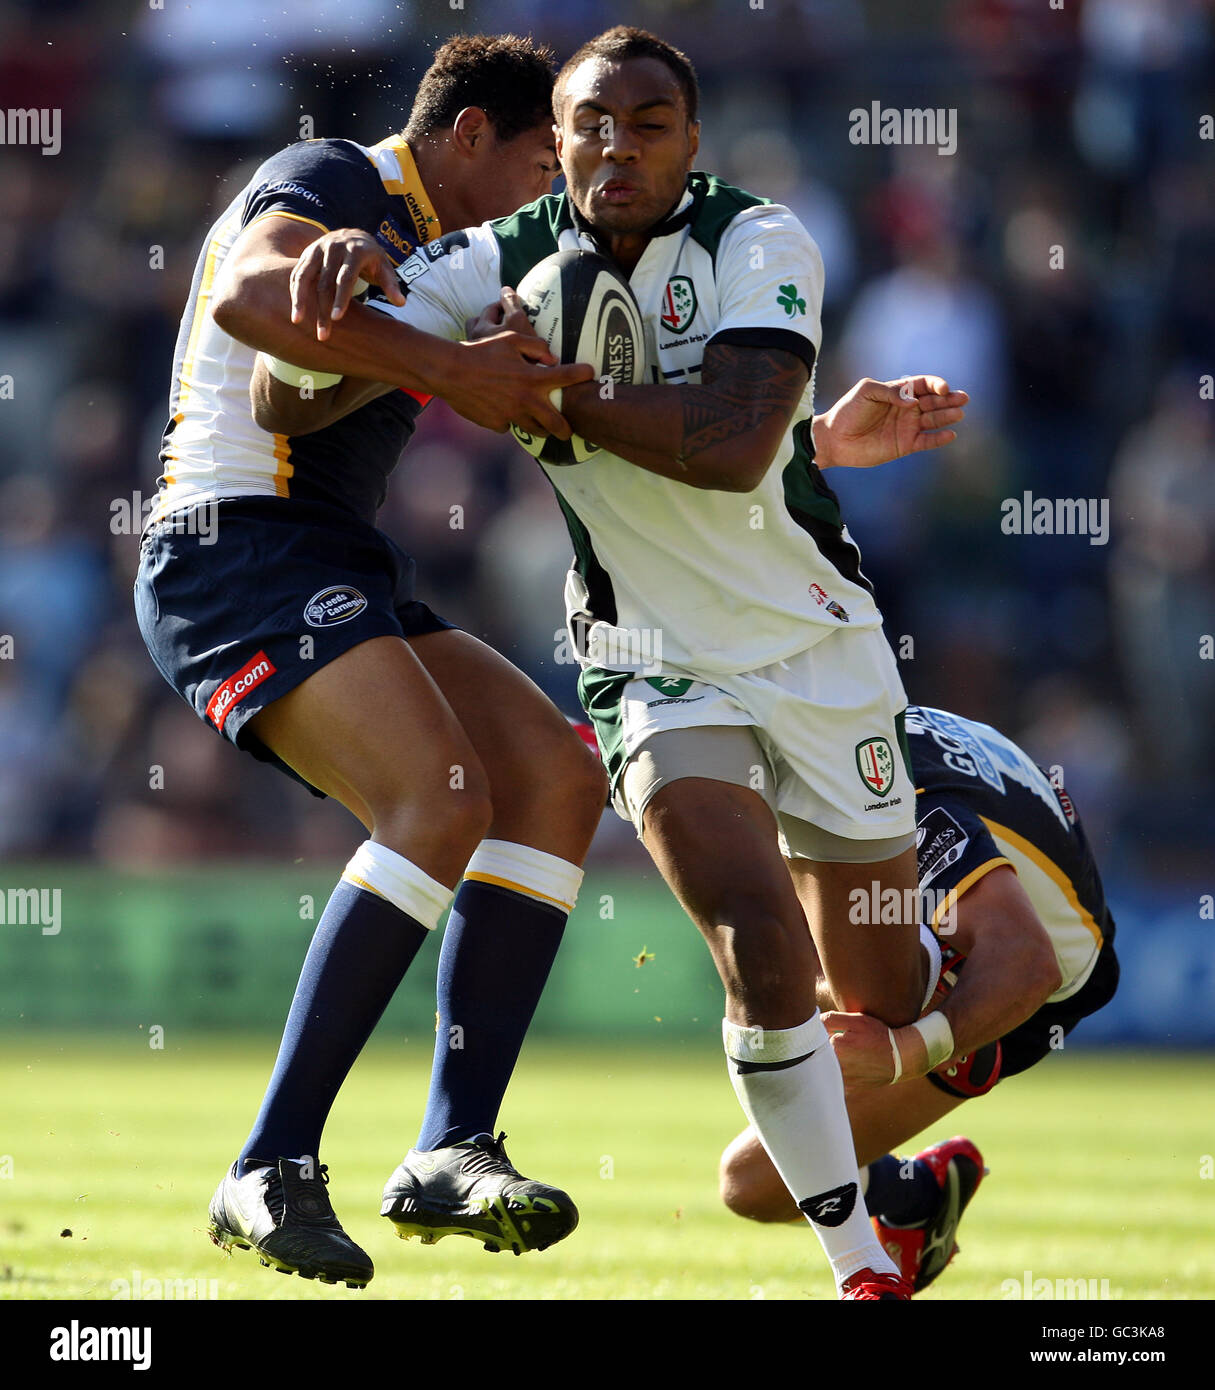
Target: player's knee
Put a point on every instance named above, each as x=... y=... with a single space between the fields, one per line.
x=456 y=811
x=748 y=1190
x=588 y=786
x=569 y=785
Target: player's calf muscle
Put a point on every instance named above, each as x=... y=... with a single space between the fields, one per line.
x=765 y=960
x=891 y=991
x=877 y=969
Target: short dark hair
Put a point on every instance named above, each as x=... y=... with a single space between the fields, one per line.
x=508 y=77
x=626 y=41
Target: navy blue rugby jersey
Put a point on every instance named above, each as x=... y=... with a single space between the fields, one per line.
x=982 y=802
x=212 y=448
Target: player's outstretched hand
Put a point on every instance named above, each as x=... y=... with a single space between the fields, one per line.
x=882 y=420
x=862 y=1048
x=324 y=278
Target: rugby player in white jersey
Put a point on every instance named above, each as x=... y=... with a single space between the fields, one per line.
x=1012 y=889
x=761 y=758
x=289 y=623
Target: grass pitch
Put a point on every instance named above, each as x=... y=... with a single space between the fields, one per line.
x=1101 y=1168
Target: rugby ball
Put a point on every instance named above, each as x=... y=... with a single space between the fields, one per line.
x=583 y=308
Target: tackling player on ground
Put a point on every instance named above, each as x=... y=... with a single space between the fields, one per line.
x=1012 y=889
x=296 y=636
x=705 y=521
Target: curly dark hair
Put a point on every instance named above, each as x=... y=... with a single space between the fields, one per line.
x=627 y=41
x=508 y=77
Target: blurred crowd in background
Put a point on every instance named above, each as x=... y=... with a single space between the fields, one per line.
x=1077 y=129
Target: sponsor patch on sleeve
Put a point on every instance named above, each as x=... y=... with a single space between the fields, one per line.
x=410 y=269
x=939 y=842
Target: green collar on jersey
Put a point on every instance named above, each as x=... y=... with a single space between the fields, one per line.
x=530 y=234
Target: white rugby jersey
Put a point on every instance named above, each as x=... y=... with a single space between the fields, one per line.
x=699 y=581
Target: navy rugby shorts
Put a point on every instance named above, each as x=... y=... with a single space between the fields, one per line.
x=248 y=608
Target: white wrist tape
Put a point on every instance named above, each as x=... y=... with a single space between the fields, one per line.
x=298 y=376
x=898 y=1057
x=938 y=1037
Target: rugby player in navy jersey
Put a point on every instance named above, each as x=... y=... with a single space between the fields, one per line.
x=1009 y=883
x=274 y=607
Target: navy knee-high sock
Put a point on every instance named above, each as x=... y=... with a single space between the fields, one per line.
x=359 y=954
x=899 y=1200
x=498 y=949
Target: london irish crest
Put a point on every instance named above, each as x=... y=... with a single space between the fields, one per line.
x=875 y=763
x=678 y=303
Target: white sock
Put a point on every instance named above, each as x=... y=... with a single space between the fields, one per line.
x=524 y=870
x=380 y=870
x=789 y=1086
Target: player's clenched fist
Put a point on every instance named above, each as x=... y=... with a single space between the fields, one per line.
x=865 y=1049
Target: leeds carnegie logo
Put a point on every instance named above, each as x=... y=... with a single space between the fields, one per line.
x=333 y=606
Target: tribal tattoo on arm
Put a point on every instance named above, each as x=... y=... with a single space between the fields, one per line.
x=742 y=391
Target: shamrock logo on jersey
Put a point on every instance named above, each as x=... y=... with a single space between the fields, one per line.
x=790 y=302
x=678 y=303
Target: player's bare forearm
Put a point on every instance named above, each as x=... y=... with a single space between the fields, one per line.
x=720 y=435
x=363 y=344
x=1010 y=970
x=252 y=300
x=285 y=409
